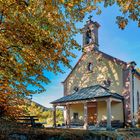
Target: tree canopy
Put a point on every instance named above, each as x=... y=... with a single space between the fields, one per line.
x=45 y=115
x=38 y=35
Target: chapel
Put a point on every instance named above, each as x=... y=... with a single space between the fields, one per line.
x=101 y=90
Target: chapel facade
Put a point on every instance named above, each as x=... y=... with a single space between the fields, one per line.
x=100 y=89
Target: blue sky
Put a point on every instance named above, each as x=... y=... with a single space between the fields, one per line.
x=123 y=44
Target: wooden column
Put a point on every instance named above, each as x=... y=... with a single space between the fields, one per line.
x=54 y=116
x=68 y=115
x=85 y=116
x=65 y=115
x=108 y=113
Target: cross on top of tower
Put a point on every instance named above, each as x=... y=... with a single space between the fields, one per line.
x=90 y=17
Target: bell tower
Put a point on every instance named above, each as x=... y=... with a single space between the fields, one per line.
x=90 y=35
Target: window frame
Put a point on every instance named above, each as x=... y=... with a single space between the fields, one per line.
x=90 y=67
x=75 y=115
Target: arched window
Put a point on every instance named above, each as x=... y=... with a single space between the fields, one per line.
x=90 y=66
x=88 y=37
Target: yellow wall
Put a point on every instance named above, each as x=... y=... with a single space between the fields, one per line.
x=116 y=111
x=136 y=96
x=77 y=108
x=101 y=111
x=103 y=69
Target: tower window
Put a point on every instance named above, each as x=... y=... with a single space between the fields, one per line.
x=90 y=67
x=88 y=37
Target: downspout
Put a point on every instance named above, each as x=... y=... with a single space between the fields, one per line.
x=124 y=115
x=133 y=111
x=132 y=65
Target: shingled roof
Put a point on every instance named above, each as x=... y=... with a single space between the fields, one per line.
x=92 y=92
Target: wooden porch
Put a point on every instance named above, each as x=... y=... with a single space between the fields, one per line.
x=90 y=113
x=96 y=104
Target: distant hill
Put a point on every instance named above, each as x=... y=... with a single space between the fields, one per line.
x=29 y=101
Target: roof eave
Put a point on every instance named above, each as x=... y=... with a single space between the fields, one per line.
x=137 y=74
x=106 y=96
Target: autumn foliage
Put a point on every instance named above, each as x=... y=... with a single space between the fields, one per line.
x=38 y=36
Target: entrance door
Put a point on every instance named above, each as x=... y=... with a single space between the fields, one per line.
x=92 y=113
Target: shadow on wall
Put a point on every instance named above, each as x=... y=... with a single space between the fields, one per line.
x=102 y=70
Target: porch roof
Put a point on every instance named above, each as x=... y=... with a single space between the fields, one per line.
x=92 y=92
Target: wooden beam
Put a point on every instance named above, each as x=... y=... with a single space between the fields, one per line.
x=116 y=100
x=68 y=116
x=75 y=102
x=90 y=100
x=108 y=101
